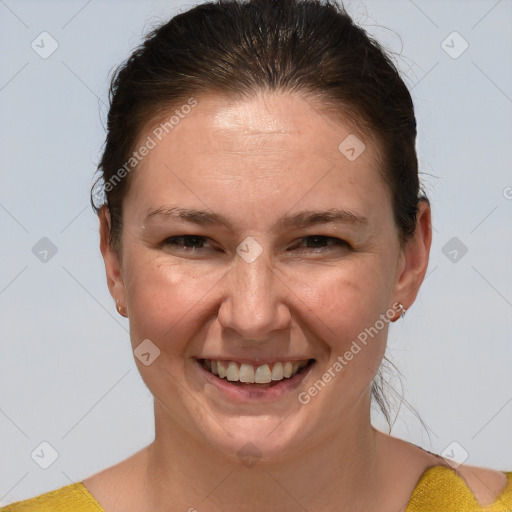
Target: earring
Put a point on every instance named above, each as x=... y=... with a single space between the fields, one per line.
x=402 y=312
x=120 y=309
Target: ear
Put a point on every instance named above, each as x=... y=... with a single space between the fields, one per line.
x=414 y=256
x=115 y=281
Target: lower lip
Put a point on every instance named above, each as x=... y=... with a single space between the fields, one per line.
x=244 y=393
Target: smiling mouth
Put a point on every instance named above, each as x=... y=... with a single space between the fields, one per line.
x=265 y=374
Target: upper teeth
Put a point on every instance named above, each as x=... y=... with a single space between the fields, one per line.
x=234 y=371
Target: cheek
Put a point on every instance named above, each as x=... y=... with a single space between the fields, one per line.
x=347 y=297
x=165 y=300
x=350 y=301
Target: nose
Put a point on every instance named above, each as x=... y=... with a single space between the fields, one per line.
x=254 y=300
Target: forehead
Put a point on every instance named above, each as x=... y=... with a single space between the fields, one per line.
x=266 y=148
x=264 y=121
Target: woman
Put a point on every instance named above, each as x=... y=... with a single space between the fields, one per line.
x=263 y=225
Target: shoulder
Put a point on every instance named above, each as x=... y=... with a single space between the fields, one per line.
x=70 y=498
x=122 y=486
x=468 y=488
x=437 y=484
x=485 y=484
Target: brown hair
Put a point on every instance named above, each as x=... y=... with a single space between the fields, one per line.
x=236 y=48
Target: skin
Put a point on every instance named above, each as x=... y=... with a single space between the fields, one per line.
x=255 y=161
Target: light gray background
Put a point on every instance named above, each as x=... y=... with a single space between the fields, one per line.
x=67 y=372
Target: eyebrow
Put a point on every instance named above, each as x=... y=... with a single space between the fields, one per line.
x=301 y=219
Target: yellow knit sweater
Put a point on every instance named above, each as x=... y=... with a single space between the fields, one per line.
x=439 y=489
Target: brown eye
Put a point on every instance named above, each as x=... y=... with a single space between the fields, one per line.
x=316 y=242
x=185 y=242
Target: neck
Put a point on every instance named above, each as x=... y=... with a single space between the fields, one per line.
x=339 y=473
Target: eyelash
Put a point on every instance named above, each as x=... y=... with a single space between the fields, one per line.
x=171 y=241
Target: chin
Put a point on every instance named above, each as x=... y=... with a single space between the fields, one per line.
x=252 y=439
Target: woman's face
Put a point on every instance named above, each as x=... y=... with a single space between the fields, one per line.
x=254 y=276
